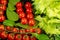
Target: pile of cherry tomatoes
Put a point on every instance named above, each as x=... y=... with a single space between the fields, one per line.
x=26 y=17
x=17 y=34
x=3 y=4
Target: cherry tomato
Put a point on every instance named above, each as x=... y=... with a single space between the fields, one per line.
x=29 y=10
x=15 y=30
x=30 y=16
x=1 y=27
x=38 y=30
x=19 y=5
x=4 y=2
x=22 y=31
x=26 y=37
x=1 y=12
x=11 y=36
x=33 y=38
x=32 y=30
x=18 y=10
x=2 y=7
x=28 y=5
x=4 y=35
x=31 y=22
x=27 y=30
x=22 y=15
x=2 y=18
x=18 y=37
x=24 y=21
x=8 y=28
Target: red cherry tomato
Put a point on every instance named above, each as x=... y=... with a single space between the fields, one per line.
x=30 y=16
x=19 y=5
x=24 y=21
x=26 y=37
x=28 y=5
x=29 y=10
x=33 y=38
x=27 y=30
x=2 y=7
x=31 y=22
x=4 y=35
x=2 y=18
x=2 y=27
x=32 y=30
x=15 y=29
x=18 y=37
x=4 y=2
x=22 y=15
x=1 y=12
x=11 y=36
x=38 y=30
x=22 y=31
x=8 y=28
x=18 y=10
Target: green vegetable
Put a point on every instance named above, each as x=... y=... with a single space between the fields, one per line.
x=11 y=15
x=41 y=36
x=9 y=23
x=50 y=22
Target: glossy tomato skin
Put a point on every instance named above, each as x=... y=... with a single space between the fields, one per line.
x=29 y=10
x=24 y=21
x=1 y=12
x=32 y=30
x=4 y=35
x=19 y=5
x=2 y=18
x=18 y=37
x=30 y=16
x=8 y=28
x=22 y=15
x=28 y=5
x=26 y=37
x=18 y=10
x=2 y=7
x=11 y=36
x=2 y=28
x=4 y=2
x=31 y=22
x=27 y=30
x=22 y=31
x=15 y=30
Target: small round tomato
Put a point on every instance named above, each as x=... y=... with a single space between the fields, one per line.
x=29 y=10
x=30 y=16
x=28 y=5
x=32 y=30
x=8 y=28
x=2 y=7
x=4 y=35
x=2 y=27
x=33 y=38
x=18 y=10
x=27 y=30
x=2 y=18
x=11 y=36
x=38 y=30
x=26 y=37
x=4 y=2
x=22 y=31
x=24 y=21
x=18 y=37
x=1 y=12
x=22 y=15
x=31 y=22
x=15 y=29
x=19 y=5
